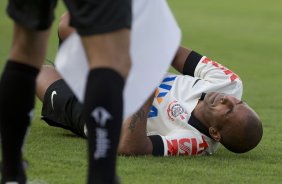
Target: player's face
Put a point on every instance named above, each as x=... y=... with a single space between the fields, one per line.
x=221 y=108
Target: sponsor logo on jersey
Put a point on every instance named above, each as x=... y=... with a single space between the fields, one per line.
x=186 y=146
x=175 y=110
x=161 y=92
x=226 y=71
x=164 y=88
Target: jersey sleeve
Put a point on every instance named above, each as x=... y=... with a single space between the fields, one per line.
x=219 y=76
x=179 y=143
x=213 y=73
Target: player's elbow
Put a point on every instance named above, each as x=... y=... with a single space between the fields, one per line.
x=239 y=83
x=128 y=149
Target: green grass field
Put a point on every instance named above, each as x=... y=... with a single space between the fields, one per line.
x=245 y=36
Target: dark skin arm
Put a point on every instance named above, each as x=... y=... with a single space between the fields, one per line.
x=180 y=58
x=134 y=140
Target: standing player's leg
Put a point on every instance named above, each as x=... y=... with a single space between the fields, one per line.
x=17 y=85
x=103 y=106
x=105 y=32
x=17 y=89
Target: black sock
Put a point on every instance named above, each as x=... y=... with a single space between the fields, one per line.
x=17 y=89
x=102 y=109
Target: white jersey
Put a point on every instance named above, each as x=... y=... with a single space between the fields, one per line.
x=176 y=98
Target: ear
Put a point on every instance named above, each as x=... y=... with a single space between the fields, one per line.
x=215 y=134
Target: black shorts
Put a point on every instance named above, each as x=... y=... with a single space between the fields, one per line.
x=87 y=16
x=34 y=14
x=62 y=109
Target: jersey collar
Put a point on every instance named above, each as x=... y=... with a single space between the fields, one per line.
x=194 y=122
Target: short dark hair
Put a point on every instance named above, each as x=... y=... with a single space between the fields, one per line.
x=246 y=141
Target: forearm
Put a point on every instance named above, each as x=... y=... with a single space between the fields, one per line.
x=134 y=140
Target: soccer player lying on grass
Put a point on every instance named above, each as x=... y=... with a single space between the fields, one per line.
x=189 y=114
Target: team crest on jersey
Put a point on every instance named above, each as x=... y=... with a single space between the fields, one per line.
x=175 y=110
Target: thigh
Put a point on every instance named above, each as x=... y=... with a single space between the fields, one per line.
x=99 y=16
x=33 y=14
